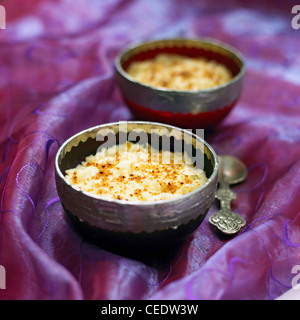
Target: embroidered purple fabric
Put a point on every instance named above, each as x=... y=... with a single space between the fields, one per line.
x=56 y=78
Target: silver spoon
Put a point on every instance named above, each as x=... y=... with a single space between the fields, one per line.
x=231 y=171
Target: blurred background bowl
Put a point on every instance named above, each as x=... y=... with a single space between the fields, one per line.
x=192 y=109
x=134 y=226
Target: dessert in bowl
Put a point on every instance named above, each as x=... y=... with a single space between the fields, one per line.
x=190 y=83
x=136 y=186
x=135 y=172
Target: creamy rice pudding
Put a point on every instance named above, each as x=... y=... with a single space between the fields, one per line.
x=136 y=172
x=172 y=71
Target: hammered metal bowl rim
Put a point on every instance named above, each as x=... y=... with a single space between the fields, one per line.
x=136 y=202
x=205 y=40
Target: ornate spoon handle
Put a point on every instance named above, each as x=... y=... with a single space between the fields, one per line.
x=225 y=220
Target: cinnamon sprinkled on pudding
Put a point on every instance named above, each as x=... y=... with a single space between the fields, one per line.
x=134 y=172
x=177 y=72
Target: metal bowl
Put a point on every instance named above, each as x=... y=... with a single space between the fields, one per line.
x=127 y=226
x=190 y=108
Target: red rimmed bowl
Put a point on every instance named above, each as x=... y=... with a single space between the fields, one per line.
x=184 y=108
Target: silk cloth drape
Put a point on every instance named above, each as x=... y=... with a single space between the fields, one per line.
x=56 y=78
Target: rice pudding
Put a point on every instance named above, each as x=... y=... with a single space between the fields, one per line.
x=135 y=172
x=176 y=72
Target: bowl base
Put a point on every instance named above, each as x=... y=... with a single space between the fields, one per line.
x=132 y=244
x=203 y=120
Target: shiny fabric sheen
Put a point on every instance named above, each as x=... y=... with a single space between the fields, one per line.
x=57 y=78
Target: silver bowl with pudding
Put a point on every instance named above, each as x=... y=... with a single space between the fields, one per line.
x=189 y=83
x=136 y=186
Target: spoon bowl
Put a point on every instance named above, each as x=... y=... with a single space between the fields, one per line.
x=232 y=170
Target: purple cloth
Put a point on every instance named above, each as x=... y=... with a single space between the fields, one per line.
x=56 y=78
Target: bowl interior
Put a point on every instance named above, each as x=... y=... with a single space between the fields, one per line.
x=90 y=141
x=210 y=50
